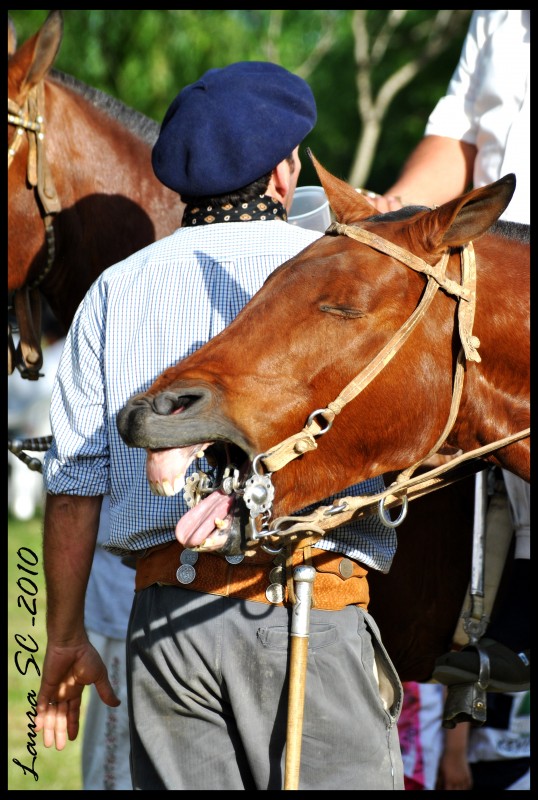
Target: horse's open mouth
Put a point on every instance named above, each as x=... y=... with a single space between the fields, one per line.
x=217 y=519
x=224 y=499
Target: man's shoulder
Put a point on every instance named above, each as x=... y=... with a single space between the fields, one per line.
x=243 y=239
x=214 y=242
x=157 y=252
x=279 y=232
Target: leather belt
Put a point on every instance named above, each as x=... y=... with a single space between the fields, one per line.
x=258 y=576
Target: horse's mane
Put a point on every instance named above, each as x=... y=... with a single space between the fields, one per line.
x=504 y=228
x=144 y=127
x=512 y=230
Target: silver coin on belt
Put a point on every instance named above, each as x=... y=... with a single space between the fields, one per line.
x=275 y=593
x=235 y=559
x=345 y=568
x=186 y=573
x=280 y=560
x=188 y=557
x=277 y=575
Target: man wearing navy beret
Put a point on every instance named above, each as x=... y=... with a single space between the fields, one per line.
x=207 y=649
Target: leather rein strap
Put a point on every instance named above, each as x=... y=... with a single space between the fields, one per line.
x=294 y=446
x=30 y=119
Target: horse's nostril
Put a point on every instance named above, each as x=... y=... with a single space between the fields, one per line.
x=167 y=402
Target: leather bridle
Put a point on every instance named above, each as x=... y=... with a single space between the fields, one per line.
x=27 y=357
x=29 y=119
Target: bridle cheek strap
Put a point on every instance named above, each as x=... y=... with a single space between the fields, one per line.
x=30 y=118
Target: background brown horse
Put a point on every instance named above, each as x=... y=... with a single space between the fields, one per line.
x=337 y=304
x=82 y=194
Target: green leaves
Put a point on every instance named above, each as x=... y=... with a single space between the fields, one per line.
x=145 y=57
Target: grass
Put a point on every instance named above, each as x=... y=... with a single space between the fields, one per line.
x=26 y=627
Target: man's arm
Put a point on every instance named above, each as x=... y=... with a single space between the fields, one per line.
x=454 y=769
x=438 y=169
x=71 y=662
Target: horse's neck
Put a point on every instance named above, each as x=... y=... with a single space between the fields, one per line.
x=503 y=292
x=111 y=202
x=114 y=156
x=90 y=148
x=495 y=400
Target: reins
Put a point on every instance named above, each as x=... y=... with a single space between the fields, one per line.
x=30 y=119
x=405 y=486
x=325 y=518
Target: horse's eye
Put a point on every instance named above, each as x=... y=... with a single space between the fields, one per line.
x=342 y=311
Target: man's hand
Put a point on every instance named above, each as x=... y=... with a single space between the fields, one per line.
x=382 y=202
x=67 y=669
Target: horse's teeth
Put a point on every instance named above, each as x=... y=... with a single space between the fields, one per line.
x=168 y=489
x=221 y=524
x=207 y=544
x=179 y=483
x=200 y=454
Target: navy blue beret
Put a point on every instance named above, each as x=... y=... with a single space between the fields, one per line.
x=232 y=126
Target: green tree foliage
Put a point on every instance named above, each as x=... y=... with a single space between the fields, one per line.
x=145 y=57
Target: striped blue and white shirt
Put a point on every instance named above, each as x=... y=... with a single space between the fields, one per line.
x=141 y=316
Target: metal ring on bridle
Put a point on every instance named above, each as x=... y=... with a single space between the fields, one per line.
x=335 y=509
x=257 y=535
x=384 y=517
x=255 y=464
x=312 y=417
x=271 y=550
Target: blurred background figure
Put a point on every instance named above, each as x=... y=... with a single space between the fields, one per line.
x=494 y=756
x=421 y=733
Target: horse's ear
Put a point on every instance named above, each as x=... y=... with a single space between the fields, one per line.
x=468 y=216
x=32 y=61
x=11 y=37
x=348 y=206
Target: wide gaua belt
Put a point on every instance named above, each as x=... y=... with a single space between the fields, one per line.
x=258 y=576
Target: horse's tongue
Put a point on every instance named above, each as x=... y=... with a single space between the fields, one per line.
x=165 y=470
x=199 y=522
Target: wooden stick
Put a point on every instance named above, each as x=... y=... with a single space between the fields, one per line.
x=299 y=634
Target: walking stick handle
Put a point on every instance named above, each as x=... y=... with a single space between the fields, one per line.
x=300 y=623
x=303 y=577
